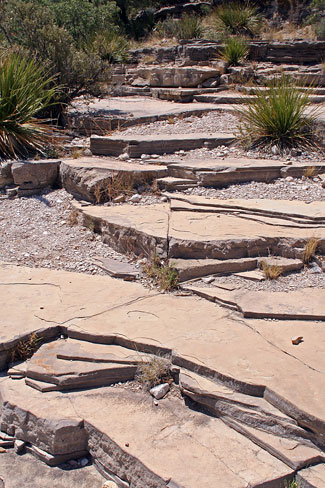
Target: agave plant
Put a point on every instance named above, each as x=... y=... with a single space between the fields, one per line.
x=25 y=90
x=279 y=115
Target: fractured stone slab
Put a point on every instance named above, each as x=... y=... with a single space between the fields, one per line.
x=155 y=144
x=194 y=268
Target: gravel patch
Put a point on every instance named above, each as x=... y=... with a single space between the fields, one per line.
x=208 y=123
x=305 y=189
x=41 y=231
x=305 y=278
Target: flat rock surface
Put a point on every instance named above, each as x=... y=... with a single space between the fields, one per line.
x=305 y=303
x=312 y=477
x=32 y=473
x=136 y=107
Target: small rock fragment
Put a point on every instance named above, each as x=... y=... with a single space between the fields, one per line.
x=119 y=199
x=124 y=156
x=135 y=198
x=160 y=391
x=83 y=462
x=2 y=449
x=297 y=340
x=110 y=484
x=19 y=446
x=208 y=279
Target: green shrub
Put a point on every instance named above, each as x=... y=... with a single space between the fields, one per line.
x=190 y=27
x=320 y=29
x=277 y=116
x=234 y=51
x=111 y=47
x=239 y=18
x=25 y=90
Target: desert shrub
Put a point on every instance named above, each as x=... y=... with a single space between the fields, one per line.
x=187 y=27
x=239 y=18
x=111 y=47
x=154 y=371
x=278 y=116
x=162 y=273
x=320 y=29
x=234 y=51
x=25 y=90
x=310 y=249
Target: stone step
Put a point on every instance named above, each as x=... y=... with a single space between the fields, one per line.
x=189 y=269
x=135 y=145
x=58 y=363
x=171 y=183
x=233 y=98
x=92 y=178
x=301 y=304
x=225 y=231
x=227 y=171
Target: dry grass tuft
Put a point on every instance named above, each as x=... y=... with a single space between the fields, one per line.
x=154 y=372
x=25 y=349
x=310 y=172
x=162 y=273
x=310 y=249
x=72 y=219
x=271 y=272
x=77 y=153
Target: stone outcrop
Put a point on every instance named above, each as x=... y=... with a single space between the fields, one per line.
x=35 y=175
x=185 y=77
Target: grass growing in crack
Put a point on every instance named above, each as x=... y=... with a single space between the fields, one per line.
x=154 y=372
x=271 y=271
x=234 y=51
x=72 y=219
x=25 y=349
x=277 y=116
x=310 y=249
x=162 y=273
x=118 y=184
x=310 y=172
x=292 y=484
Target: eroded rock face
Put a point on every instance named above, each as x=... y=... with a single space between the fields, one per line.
x=5 y=173
x=178 y=76
x=31 y=175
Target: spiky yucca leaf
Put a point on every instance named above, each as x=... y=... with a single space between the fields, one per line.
x=25 y=90
x=239 y=18
x=280 y=115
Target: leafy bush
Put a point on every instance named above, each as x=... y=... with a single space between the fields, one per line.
x=277 y=116
x=111 y=47
x=234 y=51
x=25 y=90
x=239 y=18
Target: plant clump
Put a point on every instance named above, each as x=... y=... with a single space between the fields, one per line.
x=153 y=372
x=25 y=90
x=234 y=51
x=277 y=116
x=25 y=349
x=271 y=271
x=310 y=249
x=239 y=18
x=162 y=273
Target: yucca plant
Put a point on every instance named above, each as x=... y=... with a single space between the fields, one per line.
x=25 y=90
x=189 y=27
x=239 y=18
x=278 y=116
x=234 y=51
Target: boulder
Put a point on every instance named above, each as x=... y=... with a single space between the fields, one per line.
x=186 y=77
x=5 y=174
x=32 y=175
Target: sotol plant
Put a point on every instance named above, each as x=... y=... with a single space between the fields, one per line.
x=277 y=116
x=234 y=51
x=25 y=90
x=239 y=18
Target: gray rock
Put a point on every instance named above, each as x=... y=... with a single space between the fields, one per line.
x=160 y=391
x=5 y=174
x=30 y=175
